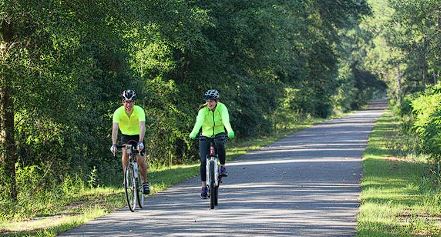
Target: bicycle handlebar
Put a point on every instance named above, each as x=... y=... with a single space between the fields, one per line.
x=125 y=145
x=211 y=138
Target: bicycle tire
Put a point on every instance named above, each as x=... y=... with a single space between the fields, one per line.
x=216 y=193
x=139 y=194
x=212 y=185
x=216 y=188
x=129 y=187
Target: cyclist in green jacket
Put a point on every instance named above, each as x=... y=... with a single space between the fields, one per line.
x=130 y=119
x=213 y=118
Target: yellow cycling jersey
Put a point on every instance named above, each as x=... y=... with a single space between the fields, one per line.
x=129 y=125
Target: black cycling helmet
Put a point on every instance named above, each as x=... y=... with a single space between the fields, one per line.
x=211 y=95
x=128 y=95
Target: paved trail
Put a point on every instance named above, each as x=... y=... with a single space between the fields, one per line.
x=307 y=184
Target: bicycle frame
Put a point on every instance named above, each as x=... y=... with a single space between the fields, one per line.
x=132 y=159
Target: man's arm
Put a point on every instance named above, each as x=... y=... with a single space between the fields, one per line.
x=141 y=130
x=115 y=128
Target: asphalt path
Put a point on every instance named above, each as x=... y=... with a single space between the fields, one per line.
x=306 y=184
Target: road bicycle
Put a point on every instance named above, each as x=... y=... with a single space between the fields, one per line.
x=214 y=179
x=132 y=178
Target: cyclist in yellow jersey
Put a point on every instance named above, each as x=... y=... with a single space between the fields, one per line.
x=214 y=119
x=130 y=119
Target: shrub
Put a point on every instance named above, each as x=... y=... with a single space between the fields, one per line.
x=427 y=125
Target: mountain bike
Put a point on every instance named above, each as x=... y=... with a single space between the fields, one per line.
x=132 y=178
x=213 y=177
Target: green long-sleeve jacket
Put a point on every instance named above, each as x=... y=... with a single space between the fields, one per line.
x=212 y=122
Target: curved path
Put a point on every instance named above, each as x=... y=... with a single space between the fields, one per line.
x=306 y=184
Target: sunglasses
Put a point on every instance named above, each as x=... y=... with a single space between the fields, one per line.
x=128 y=101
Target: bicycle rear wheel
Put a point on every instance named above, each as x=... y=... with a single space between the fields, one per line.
x=213 y=194
x=130 y=188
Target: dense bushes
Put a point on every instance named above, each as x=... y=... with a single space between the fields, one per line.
x=421 y=113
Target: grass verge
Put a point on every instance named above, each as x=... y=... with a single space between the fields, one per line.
x=399 y=196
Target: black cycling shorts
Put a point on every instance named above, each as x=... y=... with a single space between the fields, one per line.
x=132 y=139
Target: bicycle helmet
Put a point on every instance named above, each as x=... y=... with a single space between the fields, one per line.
x=211 y=95
x=128 y=95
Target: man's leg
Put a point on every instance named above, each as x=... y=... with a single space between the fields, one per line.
x=144 y=167
x=124 y=159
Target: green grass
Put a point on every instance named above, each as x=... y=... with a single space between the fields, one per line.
x=399 y=196
x=59 y=215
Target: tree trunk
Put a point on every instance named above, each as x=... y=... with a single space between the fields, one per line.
x=399 y=92
x=423 y=62
x=8 y=154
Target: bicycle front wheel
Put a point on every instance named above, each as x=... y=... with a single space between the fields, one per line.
x=213 y=194
x=130 y=188
x=139 y=194
x=216 y=192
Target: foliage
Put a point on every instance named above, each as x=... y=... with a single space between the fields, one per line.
x=427 y=110
x=405 y=53
x=420 y=119
x=406 y=45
